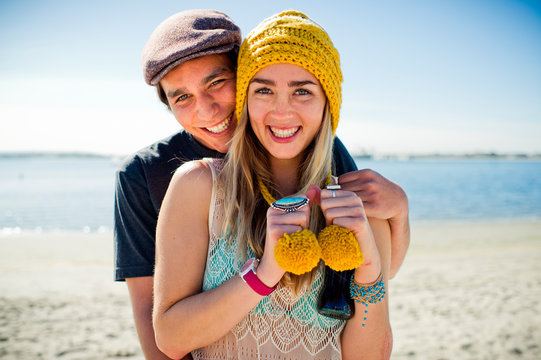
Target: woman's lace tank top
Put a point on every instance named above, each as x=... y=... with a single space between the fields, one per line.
x=282 y=325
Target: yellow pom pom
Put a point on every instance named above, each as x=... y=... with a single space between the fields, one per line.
x=339 y=248
x=297 y=253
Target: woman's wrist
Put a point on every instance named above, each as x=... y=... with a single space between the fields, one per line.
x=268 y=274
x=368 y=271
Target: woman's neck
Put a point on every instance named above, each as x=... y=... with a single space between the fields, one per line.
x=284 y=175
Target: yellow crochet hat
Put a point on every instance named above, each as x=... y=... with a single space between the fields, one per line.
x=291 y=37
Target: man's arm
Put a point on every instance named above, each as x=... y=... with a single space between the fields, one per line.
x=383 y=199
x=135 y=224
x=141 y=299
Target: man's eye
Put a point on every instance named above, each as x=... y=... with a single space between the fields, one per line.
x=216 y=82
x=182 y=97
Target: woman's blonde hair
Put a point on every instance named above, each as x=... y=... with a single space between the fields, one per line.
x=245 y=207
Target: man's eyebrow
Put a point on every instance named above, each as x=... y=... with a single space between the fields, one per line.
x=177 y=92
x=216 y=73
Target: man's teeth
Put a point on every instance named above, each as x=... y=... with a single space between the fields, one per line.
x=220 y=127
x=284 y=133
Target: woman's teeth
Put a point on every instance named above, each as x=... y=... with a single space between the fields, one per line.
x=220 y=127
x=284 y=133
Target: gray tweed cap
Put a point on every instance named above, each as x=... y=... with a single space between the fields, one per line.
x=187 y=35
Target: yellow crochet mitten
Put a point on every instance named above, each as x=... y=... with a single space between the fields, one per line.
x=339 y=248
x=298 y=253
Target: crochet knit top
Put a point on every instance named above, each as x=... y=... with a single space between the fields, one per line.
x=282 y=325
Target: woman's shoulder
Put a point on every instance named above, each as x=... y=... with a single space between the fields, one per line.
x=195 y=174
x=201 y=167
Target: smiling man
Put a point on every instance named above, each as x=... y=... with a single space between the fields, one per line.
x=191 y=60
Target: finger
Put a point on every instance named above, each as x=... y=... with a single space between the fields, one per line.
x=343 y=211
x=314 y=194
x=333 y=214
x=342 y=194
x=279 y=231
x=300 y=217
x=359 y=175
x=353 y=176
x=355 y=225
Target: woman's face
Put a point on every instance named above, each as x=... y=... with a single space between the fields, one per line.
x=285 y=106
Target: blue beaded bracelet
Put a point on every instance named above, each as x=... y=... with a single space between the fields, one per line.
x=365 y=294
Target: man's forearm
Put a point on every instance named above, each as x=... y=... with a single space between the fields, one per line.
x=140 y=290
x=400 y=240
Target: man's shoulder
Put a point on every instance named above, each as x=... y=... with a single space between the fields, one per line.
x=342 y=160
x=164 y=152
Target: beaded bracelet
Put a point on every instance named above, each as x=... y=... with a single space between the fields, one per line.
x=365 y=294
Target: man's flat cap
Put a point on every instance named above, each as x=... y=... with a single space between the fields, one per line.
x=187 y=35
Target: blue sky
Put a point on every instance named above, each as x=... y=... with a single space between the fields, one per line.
x=419 y=76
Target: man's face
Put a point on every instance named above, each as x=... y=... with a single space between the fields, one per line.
x=201 y=95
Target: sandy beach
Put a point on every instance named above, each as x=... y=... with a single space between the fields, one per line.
x=465 y=291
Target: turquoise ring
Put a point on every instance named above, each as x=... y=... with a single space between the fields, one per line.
x=289 y=204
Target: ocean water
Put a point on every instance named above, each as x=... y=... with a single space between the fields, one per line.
x=467 y=190
x=77 y=194
x=49 y=194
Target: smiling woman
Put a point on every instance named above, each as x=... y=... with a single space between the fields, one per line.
x=285 y=103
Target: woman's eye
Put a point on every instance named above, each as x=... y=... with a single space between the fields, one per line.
x=302 y=92
x=263 y=91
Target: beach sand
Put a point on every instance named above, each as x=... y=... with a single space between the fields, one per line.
x=465 y=291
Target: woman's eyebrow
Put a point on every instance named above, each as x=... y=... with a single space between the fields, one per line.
x=300 y=83
x=262 y=81
x=293 y=83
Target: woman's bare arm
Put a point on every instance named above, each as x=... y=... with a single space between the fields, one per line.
x=184 y=317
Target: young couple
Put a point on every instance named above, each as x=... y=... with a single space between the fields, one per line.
x=275 y=114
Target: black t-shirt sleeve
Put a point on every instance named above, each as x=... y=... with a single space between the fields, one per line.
x=342 y=160
x=135 y=223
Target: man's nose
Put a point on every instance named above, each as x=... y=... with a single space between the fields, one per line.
x=207 y=107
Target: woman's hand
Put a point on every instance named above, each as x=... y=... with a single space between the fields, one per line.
x=279 y=223
x=346 y=209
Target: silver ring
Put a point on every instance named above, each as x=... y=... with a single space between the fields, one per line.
x=289 y=204
x=333 y=193
x=333 y=187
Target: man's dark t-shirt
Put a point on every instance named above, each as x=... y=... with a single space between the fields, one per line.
x=141 y=183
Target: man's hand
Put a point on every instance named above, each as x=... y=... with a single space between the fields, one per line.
x=383 y=199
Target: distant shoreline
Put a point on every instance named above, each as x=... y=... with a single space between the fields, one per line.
x=448 y=157
x=38 y=154
x=414 y=223
x=360 y=157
